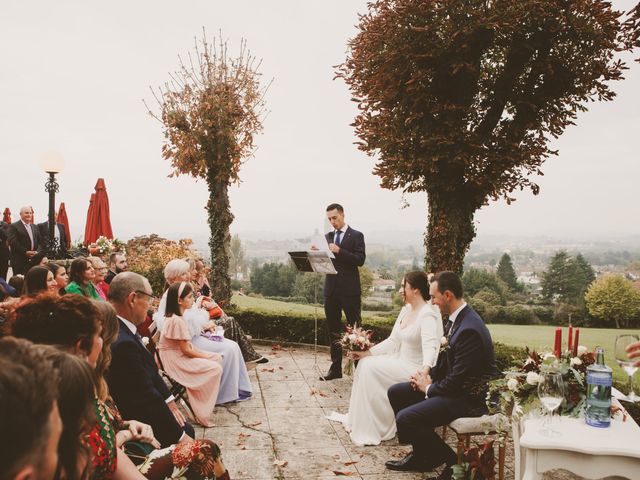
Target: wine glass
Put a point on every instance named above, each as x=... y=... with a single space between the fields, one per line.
x=551 y=394
x=622 y=342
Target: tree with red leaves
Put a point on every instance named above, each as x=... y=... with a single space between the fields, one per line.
x=460 y=98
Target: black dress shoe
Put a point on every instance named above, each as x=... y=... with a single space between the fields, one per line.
x=408 y=464
x=262 y=360
x=331 y=375
x=446 y=474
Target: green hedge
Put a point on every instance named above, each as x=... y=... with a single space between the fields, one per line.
x=300 y=329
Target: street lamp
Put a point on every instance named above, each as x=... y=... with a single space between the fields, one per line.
x=52 y=163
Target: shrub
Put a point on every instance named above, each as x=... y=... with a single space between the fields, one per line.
x=148 y=255
x=301 y=300
x=488 y=296
x=377 y=307
x=298 y=328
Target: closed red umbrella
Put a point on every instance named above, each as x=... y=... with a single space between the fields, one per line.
x=6 y=216
x=64 y=220
x=88 y=227
x=100 y=223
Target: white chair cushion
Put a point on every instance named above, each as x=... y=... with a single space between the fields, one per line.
x=477 y=425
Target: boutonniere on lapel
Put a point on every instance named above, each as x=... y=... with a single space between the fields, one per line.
x=444 y=344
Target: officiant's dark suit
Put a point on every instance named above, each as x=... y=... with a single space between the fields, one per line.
x=21 y=242
x=456 y=388
x=43 y=228
x=342 y=292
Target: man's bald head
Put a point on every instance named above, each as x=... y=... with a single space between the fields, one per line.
x=124 y=283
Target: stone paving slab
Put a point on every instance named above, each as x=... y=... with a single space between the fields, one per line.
x=282 y=432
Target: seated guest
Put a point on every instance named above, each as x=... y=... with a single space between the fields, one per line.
x=117 y=264
x=455 y=387
x=198 y=370
x=235 y=384
x=59 y=275
x=182 y=271
x=82 y=274
x=133 y=378
x=39 y=279
x=201 y=280
x=39 y=259
x=30 y=421
x=156 y=465
x=17 y=283
x=76 y=403
x=100 y=268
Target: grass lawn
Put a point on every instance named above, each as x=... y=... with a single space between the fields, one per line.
x=243 y=301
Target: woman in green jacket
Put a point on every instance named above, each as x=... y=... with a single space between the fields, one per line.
x=82 y=275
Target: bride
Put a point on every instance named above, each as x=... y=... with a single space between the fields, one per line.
x=413 y=344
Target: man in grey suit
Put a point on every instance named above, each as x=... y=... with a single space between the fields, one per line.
x=24 y=240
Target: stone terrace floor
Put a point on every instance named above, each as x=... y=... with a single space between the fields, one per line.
x=282 y=432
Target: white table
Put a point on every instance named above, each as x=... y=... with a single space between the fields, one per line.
x=584 y=450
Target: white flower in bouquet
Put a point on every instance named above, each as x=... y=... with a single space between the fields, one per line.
x=548 y=355
x=581 y=350
x=512 y=384
x=533 y=378
x=529 y=361
x=352 y=337
x=443 y=341
x=575 y=361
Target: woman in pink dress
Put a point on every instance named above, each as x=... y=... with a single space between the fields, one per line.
x=197 y=370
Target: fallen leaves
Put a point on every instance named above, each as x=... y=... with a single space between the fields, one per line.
x=281 y=463
x=338 y=473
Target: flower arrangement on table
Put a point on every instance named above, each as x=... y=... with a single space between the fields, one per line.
x=516 y=392
x=355 y=339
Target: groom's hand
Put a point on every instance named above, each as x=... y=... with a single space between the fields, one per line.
x=334 y=248
x=420 y=381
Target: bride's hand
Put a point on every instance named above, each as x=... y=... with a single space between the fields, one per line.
x=358 y=355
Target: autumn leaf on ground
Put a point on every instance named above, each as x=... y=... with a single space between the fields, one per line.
x=276 y=347
x=281 y=463
x=346 y=464
x=280 y=368
x=343 y=474
x=254 y=424
x=270 y=370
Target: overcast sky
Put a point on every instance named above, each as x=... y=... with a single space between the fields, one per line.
x=73 y=75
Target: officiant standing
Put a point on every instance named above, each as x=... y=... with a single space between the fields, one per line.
x=342 y=292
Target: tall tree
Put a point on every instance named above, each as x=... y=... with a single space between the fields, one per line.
x=460 y=98
x=613 y=298
x=506 y=272
x=211 y=109
x=567 y=278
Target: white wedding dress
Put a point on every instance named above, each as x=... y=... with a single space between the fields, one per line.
x=370 y=419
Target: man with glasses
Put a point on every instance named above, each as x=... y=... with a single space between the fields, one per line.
x=133 y=377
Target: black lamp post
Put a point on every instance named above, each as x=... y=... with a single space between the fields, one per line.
x=52 y=163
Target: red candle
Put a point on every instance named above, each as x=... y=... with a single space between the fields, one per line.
x=569 y=343
x=558 y=343
x=575 y=343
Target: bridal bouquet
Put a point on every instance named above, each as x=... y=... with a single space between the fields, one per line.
x=355 y=339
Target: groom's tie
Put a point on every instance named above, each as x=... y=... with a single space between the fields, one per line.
x=447 y=328
x=336 y=238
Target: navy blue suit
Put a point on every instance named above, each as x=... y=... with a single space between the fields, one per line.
x=138 y=390
x=458 y=390
x=342 y=291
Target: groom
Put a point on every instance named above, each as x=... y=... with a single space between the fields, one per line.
x=455 y=388
x=342 y=291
